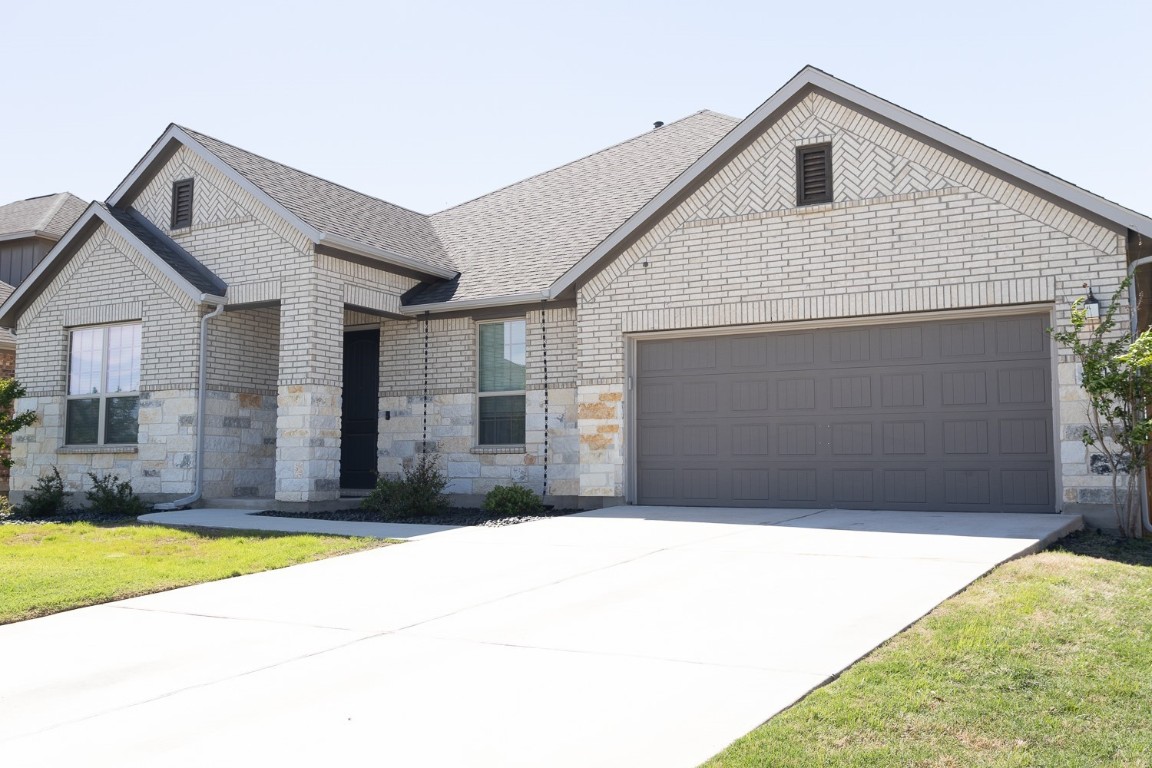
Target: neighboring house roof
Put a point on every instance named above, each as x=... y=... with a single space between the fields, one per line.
x=48 y=216
x=189 y=275
x=521 y=238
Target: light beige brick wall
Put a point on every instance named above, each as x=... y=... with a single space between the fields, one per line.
x=107 y=281
x=451 y=406
x=232 y=233
x=912 y=229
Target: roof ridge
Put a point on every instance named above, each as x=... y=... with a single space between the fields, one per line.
x=582 y=158
x=51 y=211
x=195 y=133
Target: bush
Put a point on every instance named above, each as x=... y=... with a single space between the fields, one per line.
x=47 y=497
x=419 y=493
x=111 y=498
x=512 y=501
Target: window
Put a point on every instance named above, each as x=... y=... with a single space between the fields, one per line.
x=103 y=385
x=182 y=203
x=814 y=174
x=501 y=390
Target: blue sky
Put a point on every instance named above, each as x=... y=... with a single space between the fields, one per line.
x=429 y=104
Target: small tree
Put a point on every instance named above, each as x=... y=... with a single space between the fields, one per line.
x=10 y=421
x=1116 y=374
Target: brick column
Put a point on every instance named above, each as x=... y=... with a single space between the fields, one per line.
x=309 y=390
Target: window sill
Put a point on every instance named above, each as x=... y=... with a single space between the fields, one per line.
x=97 y=449
x=499 y=449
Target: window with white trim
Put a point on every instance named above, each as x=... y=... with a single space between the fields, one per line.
x=103 y=385
x=500 y=394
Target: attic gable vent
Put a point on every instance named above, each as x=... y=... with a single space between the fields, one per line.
x=814 y=174
x=181 y=203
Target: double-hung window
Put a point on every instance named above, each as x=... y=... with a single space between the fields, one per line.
x=500 y=395
x=103 y=385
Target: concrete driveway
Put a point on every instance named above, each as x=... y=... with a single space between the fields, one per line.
x=633 y=636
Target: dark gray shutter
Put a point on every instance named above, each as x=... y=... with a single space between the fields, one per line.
x=814 y=174
x=181 y=203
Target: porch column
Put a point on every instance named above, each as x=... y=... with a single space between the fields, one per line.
x=308 y=391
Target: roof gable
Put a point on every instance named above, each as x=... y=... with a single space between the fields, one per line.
x=189 y=276
x=805 y=82
x=325 y=213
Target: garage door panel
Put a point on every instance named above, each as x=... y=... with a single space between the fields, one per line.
x=936 y=415
x=795 y=486
x=904 y=438
x=796 y=440
x=906 y=486
x=851 y=392
x=853 y=486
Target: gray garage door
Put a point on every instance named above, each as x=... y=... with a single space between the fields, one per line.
x=944 y=415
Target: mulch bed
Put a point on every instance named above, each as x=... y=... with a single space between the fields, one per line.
x=454 y=516
x=67 y=516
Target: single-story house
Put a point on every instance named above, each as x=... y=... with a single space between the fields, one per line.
x=833 y=302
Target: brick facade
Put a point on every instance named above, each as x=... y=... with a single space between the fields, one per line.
x=911 y=231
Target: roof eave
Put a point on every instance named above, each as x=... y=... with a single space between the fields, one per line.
x=415 y=310
x=25 y=234
x=17 y=299
x=341 y=243
x=812 y=78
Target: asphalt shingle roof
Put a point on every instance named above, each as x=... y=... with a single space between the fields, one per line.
x=50 y=214
x=186 y=265
x=335 y=209
x=525 y=236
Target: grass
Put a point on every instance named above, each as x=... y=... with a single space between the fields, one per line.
x=1046 y=661
x=51 y=567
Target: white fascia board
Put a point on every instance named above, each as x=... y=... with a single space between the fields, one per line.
x=810 y=77
x=45 y=263
x=342 y=243
x=27 y=233
x=466 y=304
x=175 y=133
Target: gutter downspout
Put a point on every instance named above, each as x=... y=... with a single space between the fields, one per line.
x=201 y=397
x=1146 y=520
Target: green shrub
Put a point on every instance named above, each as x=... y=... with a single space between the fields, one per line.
x=111 y=498
x=512 y=501
x=47 y=497
x=419 y=493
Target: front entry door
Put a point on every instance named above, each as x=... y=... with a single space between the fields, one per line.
x=359 y=420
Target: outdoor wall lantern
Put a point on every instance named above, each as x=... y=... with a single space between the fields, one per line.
x=1091 y=305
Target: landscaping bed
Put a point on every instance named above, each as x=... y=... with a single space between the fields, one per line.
x=461 y=516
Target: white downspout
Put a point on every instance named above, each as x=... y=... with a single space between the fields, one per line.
x=201 y=397
x=1146 y=520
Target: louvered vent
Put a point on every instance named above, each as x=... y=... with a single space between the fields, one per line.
x=814 y=174
x=181 y=203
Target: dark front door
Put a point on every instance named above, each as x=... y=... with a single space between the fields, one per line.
x=359 y=422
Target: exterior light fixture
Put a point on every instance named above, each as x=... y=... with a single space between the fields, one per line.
x=1091 y=305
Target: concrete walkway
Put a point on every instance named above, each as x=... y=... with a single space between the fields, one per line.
x=248 y=520
x=633 y=636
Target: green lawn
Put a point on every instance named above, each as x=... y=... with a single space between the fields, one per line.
x=57 y=566
x=1047 y=661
